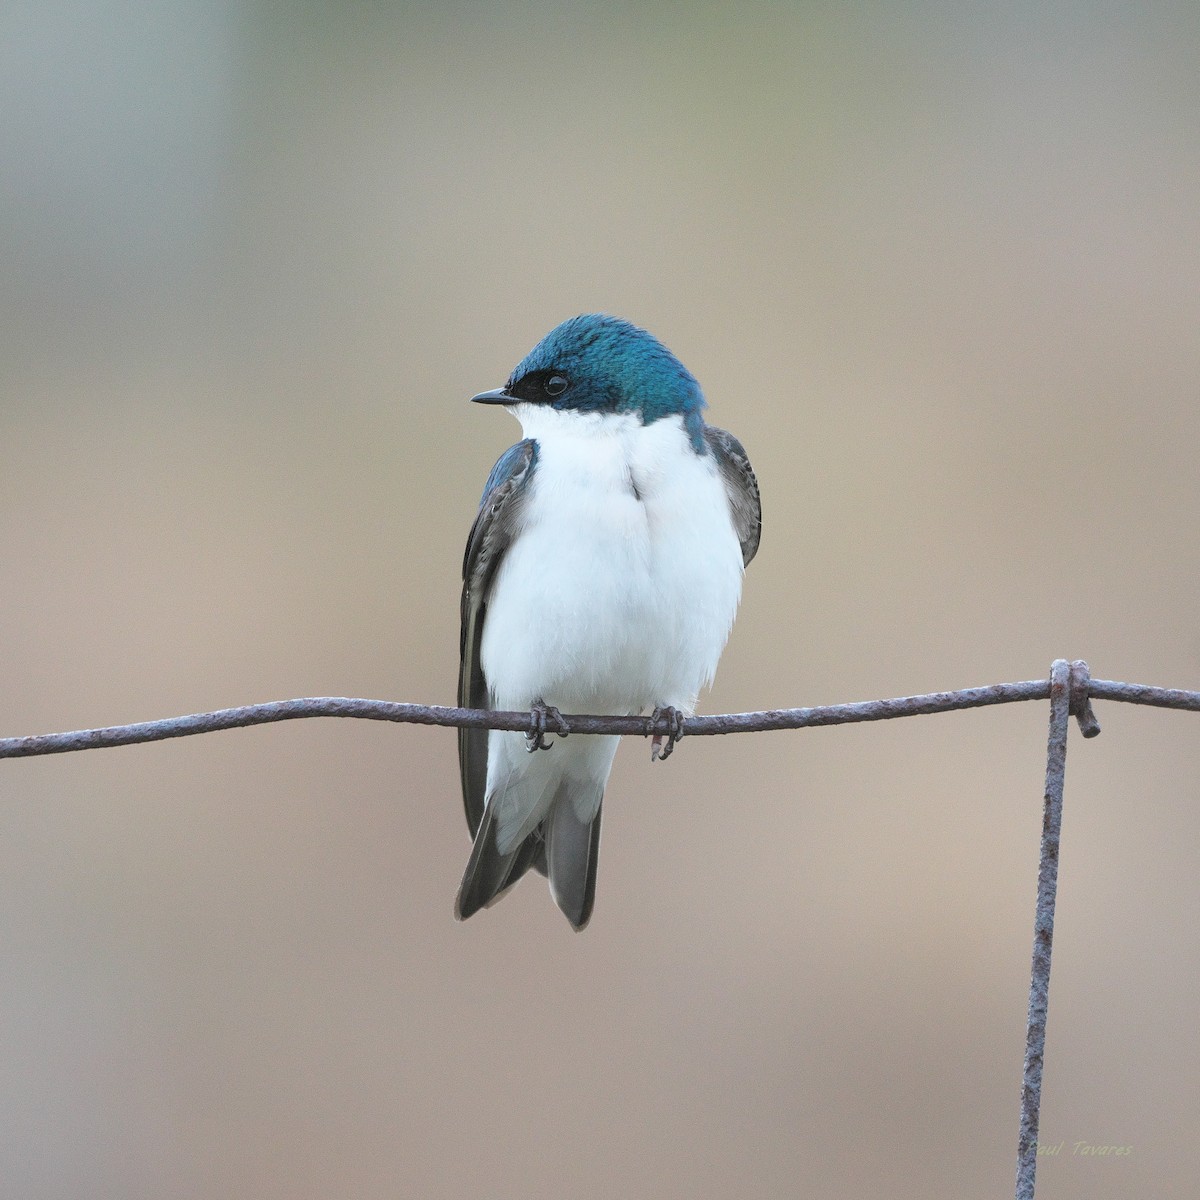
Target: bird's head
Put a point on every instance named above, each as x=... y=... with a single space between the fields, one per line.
x=601 y=364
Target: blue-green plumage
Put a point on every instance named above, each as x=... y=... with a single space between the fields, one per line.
x=611 y=365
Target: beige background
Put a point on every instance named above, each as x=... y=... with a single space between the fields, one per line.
x=936 y=264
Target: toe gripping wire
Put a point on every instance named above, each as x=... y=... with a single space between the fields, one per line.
x=1069 y=697
x=541 y=717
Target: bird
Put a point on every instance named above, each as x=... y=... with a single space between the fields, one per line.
x=601 y=575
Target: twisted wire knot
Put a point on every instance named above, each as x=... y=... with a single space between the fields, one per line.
x=1079 y=686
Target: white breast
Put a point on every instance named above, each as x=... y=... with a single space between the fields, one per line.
x=620 y=590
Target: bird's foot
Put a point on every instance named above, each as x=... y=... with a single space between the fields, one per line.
x=674 y=719
x=541 y=717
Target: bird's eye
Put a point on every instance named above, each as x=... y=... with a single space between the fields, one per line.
x=555 y=385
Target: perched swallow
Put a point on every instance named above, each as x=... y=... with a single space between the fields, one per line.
x=601 y=575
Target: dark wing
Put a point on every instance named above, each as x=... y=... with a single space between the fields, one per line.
x=492 y=533
x=741 y=487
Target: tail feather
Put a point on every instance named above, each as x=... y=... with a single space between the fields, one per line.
x=489 y=873
x=572 y=853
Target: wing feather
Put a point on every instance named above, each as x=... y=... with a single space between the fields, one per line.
x=491 y=534
x=741 y=486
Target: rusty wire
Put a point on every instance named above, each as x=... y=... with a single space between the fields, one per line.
x=1064 y=678
x=1069 y=689
x=749 y=722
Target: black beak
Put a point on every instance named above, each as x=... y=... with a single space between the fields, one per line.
x=495 y=396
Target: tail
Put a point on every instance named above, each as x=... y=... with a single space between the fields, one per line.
x=489 y=873
x=562 y=846
x=572 y=852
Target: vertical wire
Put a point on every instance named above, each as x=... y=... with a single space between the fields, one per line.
x=1043 y=929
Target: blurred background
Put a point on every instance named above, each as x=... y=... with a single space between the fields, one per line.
x=938 y=266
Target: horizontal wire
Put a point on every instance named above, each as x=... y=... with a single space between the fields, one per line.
x=472 y=718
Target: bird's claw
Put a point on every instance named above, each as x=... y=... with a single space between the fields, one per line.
x=674 y=718
x=541 y=717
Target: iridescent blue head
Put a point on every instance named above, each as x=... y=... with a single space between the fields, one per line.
x=597 y=363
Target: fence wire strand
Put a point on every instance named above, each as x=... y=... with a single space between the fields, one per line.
x=764 y=721
x=1062 y=702
x=1069 y=689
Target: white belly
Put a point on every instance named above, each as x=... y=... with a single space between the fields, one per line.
x=619 y=593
